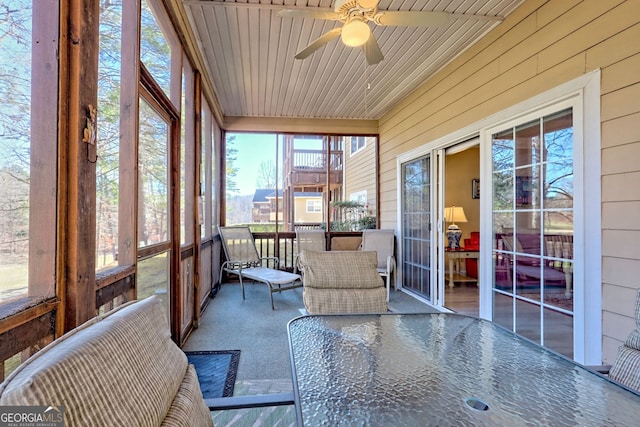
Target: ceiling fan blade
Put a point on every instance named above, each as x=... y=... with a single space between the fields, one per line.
x=319 y=42
x=311 y=14
x=372 y=50
x=412 y=19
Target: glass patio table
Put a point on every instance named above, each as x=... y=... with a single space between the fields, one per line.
x=442 y=369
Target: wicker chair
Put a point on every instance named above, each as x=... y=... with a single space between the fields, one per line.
x=342 y=282
x=309 y=240
x=626 y=367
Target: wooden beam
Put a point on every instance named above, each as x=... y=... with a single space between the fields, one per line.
x=128 y=157
x=26 y=315
x=113 y=275
x=120 y=287
x=197 y=189
x=175 y=293
x=80 y=236
x=21 y=337
x=44 y=149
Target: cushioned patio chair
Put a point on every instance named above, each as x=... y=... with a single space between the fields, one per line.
x=243 y=260
x=626 y=366
x=339 y=282
x=310 y=240
x=383 y=243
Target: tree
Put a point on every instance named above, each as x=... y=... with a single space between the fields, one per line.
x=15 y=130
x=266 y=175
x=232 y=169
x=107 y=168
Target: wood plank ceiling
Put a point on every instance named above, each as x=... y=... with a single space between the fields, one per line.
x=249 y=54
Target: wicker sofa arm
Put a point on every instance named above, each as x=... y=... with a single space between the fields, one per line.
x=121 y=369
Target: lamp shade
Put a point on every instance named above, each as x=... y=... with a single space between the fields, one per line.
x=454 y=214
x=355 y=33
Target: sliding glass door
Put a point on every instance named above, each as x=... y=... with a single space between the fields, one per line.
x=417 y=244
x=533 y=229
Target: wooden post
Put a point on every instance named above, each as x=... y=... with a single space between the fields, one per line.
x=197 y=190
x=128 y=157
x=79 y=235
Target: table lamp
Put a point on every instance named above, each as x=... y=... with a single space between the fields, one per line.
x=454 y=214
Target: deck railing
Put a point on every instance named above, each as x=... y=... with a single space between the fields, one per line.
x=316 y=160
x=284 y=246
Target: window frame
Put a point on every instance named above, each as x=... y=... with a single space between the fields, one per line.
x=314 y=206
x=360 y=142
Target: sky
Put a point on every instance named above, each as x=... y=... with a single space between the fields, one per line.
x=253 y=149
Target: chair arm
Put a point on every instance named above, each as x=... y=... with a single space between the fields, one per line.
x=391 y=264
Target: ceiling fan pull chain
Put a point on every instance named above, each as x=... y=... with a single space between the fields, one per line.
x=367 y=87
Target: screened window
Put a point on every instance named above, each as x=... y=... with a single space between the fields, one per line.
x=155 y=49
x=29 y=47
x=205 y=138
x=108 y=168
x=153 y=170
x=308 y=171
x=153 y=278
x=28 y=148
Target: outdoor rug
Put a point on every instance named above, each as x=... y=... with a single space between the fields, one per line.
x=216 y=371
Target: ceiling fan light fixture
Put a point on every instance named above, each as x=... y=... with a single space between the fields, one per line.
x=355 y=33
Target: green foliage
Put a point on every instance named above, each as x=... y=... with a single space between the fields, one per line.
x=354 y=216
x=368 y=222
x=347 y=205
x=155 y=51
x=232 y=169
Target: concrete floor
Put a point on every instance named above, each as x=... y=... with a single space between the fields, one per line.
x=231 y=323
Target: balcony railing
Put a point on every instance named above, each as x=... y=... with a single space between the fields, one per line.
x=284 y=245
x=304 y=160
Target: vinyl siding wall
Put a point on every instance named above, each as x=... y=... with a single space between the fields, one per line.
x=360 y=173
x=542 y=45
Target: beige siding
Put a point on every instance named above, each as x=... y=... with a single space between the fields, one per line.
x=542 y=45
x=360 y=172
x=301 y=211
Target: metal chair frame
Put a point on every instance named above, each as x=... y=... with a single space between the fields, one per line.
x=243 y=260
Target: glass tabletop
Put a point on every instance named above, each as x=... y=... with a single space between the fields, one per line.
x=442 y=369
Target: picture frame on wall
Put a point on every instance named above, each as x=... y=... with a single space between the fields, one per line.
x=475 y=188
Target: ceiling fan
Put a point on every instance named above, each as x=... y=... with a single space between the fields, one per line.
x=356 y=32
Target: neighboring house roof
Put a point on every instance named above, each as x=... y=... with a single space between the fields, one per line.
x=263 y=194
